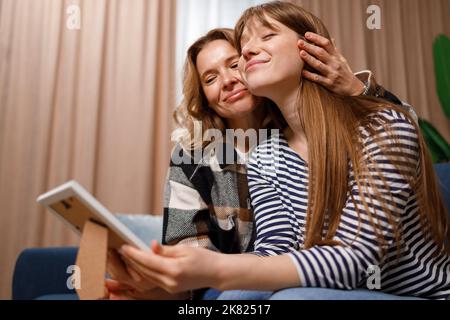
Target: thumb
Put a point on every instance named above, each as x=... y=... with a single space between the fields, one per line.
x=162 y=249
x=156 y=247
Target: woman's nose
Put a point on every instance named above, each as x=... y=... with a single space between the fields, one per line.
x=249 y=50
x=229 y=80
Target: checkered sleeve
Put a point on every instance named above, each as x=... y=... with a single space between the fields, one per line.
x=186 y=215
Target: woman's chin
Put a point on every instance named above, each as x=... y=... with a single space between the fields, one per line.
x=259 y=90
x=242 y=112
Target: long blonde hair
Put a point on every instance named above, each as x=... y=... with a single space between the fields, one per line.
x=331 y=123
x=195 y=107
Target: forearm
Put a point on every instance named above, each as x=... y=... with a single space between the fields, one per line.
x=250 y=272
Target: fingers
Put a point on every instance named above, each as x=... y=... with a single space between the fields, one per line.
x=321 y=41
x=143 y=277
x=316 y=51
x=156 y=247
x=120 y=269
x=146 y=261
x=136 y=277
x=317 y=78
x=117 y=290
x=120 y=295
x=168 y=251
x=115 y=266
x=152 y=267
x=314 y=63
x=157 y=279
x=114 y=285
x=333 y=41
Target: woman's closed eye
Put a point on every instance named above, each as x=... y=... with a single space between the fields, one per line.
x=234 y=65
x=210 y=79
x=269 y=36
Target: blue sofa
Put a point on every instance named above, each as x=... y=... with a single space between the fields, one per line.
x=40 y=273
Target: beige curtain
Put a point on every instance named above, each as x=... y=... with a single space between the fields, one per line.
x=400 y=53
x=92 y=104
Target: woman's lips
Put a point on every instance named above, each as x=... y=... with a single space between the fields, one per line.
x=236 y=95
x=253 y=64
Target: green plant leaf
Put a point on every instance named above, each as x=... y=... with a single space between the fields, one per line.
x=437 y=145
x=441 y=57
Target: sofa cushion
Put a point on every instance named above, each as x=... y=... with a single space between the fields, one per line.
x=145 y=226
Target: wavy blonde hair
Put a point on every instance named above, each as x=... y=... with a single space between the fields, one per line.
x=195 y=107
x=331 y=123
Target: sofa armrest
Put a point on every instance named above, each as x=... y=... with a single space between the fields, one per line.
x=42 y=271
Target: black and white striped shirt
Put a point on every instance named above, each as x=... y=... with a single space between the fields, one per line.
x=278 y=184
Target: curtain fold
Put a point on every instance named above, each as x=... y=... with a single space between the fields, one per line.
x=92 y=104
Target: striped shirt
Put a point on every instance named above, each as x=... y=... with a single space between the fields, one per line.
x=278 y=185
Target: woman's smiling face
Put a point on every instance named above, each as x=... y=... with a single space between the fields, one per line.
x=270 y=58
x=217 y=66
